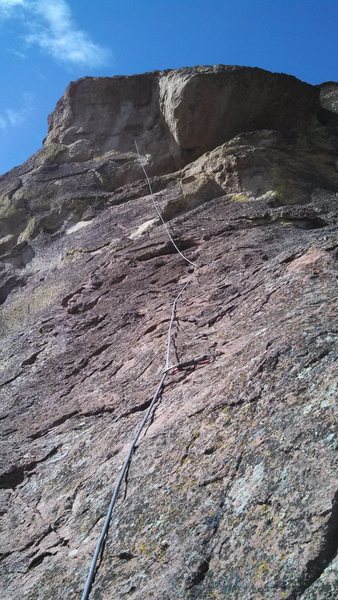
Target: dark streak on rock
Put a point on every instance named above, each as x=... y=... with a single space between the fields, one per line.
x=16 y=475
x=327 y=552
x=199 y=575
x=38 y=560
x=31 y=359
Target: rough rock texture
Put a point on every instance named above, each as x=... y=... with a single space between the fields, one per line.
x=233 y=491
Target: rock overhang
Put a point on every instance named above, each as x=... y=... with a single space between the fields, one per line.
x=178 y=113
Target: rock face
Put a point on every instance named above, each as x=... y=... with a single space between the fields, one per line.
x=233 y=490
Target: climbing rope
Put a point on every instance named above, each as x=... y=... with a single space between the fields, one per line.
x=168 y=370
x=105 y=527
x=201 y=360
x=158 y=210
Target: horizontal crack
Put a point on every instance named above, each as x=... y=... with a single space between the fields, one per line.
x=137 y=408
x=11 y=379
x=55 y=423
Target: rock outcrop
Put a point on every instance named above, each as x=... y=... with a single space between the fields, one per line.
x=233 y=491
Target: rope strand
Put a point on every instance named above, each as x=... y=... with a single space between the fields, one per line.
x=158 y=210
x=105 y=528
x=124 y=470
x=151 y=408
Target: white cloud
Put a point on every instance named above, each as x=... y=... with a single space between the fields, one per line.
x=13 y=117
x=7 y=5
x=51 y=27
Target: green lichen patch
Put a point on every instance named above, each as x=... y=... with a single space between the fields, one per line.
x=239 y=197
x=29 y=231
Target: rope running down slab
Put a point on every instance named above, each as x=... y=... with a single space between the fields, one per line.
x=158 y=210
x=168 y=370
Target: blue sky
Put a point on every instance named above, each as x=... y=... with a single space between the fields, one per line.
x=47 y=43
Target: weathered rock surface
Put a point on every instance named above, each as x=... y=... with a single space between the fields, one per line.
x=233 y=491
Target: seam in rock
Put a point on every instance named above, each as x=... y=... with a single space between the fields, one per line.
x=55 y=423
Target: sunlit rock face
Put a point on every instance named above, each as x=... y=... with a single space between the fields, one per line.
x=232 y=492
x=176 y=115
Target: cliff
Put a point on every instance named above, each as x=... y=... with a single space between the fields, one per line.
x=233 y=490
